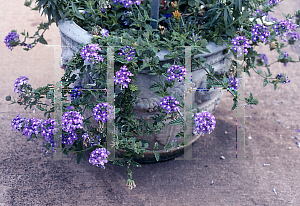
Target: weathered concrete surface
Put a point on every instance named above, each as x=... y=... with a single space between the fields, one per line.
x=27 y=179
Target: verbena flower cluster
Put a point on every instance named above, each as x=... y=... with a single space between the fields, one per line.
x=260 y=32
x=204 y=122
x=127 y=3
x=170 y=104
x=19 y=82
x=127 y=51
x=102 y=112
x=49 y=129
x=89 y=53
x=195 y=37
x=71 y=120
x=122 y=77
x=124 y=19
x=283 y=78
x=176 y=71
x=69 y=138
x=259 y=12
x=32 y=126
x=285 y=55
x=240 y=45
x=272 y=2
x=96 y=140
x=234 y=82
x=17 y=123
x=12 y=36
x=99 y=157
x=285 y=28
x=75 y=93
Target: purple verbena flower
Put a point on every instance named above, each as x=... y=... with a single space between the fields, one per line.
x=234 y=82
x=99 y=157
x=272 y=2
x=260 y=32
x=89 y=53
x=176 y=71
x=170 y=104
x=71 y=120
x=122 y=77
x=284 y=28
x=75 y=93
x=103 y=111
x=264 y=59
x=49 y=127
x=31 y=126
x=195 y=37
x=127 y=51
x=69 y=138
x=12 y=39
x=285 y=56
x=17 y=123
x=19 y=82
x=204 y=122
x=240 y=45
x=104 y=33
x=283 y=78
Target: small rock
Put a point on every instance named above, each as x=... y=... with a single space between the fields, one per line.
x=290 y=148
x=226 y=132
x=222 y=157
x=249 y=137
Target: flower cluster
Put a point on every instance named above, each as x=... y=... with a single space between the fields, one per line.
x=104 y=33
x=285 y=28
x=11 y=39
x=260 y=32
x=283 y=78
x=176 y=71
x=272 y=2
x=31 y=126
x=204 y=122
x=123 y=18
x=75 y=93
x=17 y=123
x=122 y=77
x=240 y=45
x=127 y=3
x=89 y=53
x=170 y=104
x=127 y=51
x=19 y=82
x=71 y=120
x=285 y=56
x=99 y=157
x=91 y=141
x=263 y=60
x=258 y=13
x=234 y=82
x=195 y=37
x=69 y=138
x=49 y=129
x=102 y=115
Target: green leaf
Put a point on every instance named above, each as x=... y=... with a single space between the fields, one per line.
x=156 y=146
x=191 y=3
x=133 y=87
x=42 y=40
x=275 y=87
x=167 y=146
x=156 y=154
x=235 y=102
x=79 y=157
x=265 y=82
x=178 y=121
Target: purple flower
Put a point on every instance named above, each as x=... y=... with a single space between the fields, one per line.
x=75 y=93
x=284 y=28
x=19 y=82
x=71 y=120
x=122 y=77
x=264 y=59
x=285 y=56
x=104 y=33
x=272 y=2
x=17 y=123
x=176 y=71
x=260 y=32
x=11 y=40
x=234 y=82
x=31 y=126
x=102 y=111
x=49 y=129
x=99 y=157
x=240 y=45
x=283 y=78
x=70 y=107
x=170 y=104
x=127 y=51
x=204 y=122
x=89 y=53
x=69 y=138
x=195 y=37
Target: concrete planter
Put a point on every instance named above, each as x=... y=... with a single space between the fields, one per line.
x=147 y=102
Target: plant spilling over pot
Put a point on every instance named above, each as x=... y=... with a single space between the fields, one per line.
x=138 y=30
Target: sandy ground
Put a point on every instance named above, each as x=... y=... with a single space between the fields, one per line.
x=26 y=178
